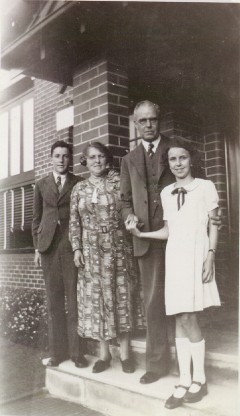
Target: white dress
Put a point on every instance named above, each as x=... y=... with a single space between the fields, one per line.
x=187 y=248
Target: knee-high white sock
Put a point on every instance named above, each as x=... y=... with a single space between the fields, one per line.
x=198 y=358
x=184 y=360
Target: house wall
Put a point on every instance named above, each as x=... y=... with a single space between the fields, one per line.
x=101 y=112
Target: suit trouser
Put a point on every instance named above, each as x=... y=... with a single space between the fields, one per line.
x=152 y=271
x=60 y=276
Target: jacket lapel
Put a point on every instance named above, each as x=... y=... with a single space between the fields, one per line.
x=139 y=162
x=69 y=182
x=52 y=184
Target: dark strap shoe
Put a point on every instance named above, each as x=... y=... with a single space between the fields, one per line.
x=174 y=402
x=196 y=397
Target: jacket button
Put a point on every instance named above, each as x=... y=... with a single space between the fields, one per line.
x=145 y=202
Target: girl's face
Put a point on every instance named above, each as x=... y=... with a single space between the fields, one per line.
x=179 y=162
x=96 y=162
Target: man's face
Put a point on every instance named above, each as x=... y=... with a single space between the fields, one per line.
x=147 y=122
x=61 y=160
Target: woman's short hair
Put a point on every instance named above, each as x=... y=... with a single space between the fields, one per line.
x=101 y=147
x=197 y=171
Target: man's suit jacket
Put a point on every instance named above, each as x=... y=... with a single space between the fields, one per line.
x=51 y=209
x=134 y=192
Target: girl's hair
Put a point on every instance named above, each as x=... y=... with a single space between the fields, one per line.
x=196 y=168
x=101 y=147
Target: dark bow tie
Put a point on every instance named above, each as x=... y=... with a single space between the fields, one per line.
x=181 y=196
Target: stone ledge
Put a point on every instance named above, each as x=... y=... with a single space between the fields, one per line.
x=115 y=393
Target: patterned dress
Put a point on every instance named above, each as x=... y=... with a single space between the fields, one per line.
x=109 y=290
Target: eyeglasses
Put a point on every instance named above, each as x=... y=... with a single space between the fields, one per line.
x=145 y=121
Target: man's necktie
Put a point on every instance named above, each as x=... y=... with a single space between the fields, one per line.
x=181 y=196
x=59 y=184
x=150 y=149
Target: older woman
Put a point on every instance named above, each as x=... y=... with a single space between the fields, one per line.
x=103 y=254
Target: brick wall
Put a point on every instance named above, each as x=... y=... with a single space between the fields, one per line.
x=101 y=112
x=47 y=101
x=216 y=172
x=100 y=97
x=18 y=270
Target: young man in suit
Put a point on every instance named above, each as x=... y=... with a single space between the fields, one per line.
x=143 y=176
x=54 y=254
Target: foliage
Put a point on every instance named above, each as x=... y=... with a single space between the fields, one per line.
x=23 y=316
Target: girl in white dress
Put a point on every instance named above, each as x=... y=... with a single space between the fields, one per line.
x=190 y=285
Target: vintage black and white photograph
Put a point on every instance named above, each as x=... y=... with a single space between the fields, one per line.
x=119 y=208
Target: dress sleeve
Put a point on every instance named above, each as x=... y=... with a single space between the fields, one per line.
x=75 y=228
x=211 y=196
x=164 y=204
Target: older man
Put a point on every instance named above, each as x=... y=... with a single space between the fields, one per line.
x=143 y=176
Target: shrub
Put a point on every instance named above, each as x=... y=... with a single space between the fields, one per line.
x=23 y=316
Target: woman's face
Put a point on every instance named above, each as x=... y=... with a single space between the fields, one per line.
x=96 y=162
x=179 y=160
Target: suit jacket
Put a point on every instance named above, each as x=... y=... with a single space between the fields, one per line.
x=51 y=209
x=134 y=192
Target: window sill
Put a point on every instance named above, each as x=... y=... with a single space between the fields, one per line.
x=17 y=251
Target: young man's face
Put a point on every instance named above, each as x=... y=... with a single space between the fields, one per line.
x=61 y=159
x=147 y=122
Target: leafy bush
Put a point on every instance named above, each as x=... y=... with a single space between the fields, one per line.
x=23 y=316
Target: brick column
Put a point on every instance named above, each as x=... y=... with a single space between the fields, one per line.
x=101 y=113
x=47 y=101
x=216 y=172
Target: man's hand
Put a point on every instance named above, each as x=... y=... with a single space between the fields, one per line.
x=37 y=259
x=78 y=258
x=132 y=227
x=218 y=219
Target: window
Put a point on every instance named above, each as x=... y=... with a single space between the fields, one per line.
x=16 y=146
x=16 y=217
x=16 y=172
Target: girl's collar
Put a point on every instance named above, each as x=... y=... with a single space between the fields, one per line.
x=190 y=186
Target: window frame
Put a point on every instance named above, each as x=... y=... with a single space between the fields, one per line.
x=22 y=177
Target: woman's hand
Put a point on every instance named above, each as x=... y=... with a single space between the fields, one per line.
x=208 y=268
x=78 y=258
x=131 y=225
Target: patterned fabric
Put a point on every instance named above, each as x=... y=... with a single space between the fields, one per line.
x=59 y=184
x=109 y=290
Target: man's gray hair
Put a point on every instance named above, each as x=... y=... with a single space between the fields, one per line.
x=147 y=103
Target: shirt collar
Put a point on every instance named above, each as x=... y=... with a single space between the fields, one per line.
x=63 y=177
x=155 y=144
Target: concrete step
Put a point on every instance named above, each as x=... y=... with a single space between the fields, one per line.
x=115 y=393
x=214 y=357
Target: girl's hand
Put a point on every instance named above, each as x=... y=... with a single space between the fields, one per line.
x=78 y=258
x=208 y=268
x=131 y=225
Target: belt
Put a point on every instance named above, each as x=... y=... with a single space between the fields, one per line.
x=103 y=229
